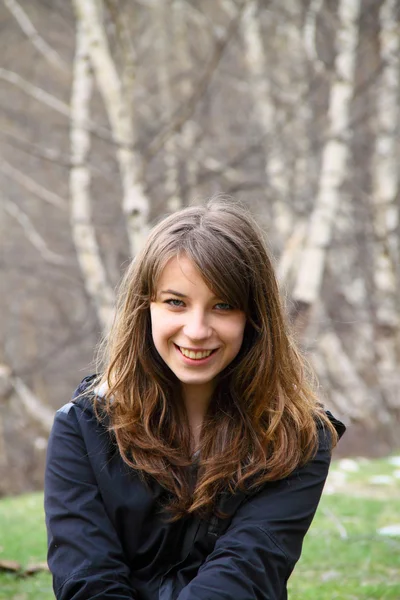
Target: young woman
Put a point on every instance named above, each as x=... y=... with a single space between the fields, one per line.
x=192 y=466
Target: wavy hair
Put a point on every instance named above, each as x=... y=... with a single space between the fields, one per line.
x=262 y=419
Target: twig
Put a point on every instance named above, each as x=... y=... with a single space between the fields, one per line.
x=35 y=38
x=185 y=112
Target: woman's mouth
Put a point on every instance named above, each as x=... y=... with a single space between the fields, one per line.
x=195 y=356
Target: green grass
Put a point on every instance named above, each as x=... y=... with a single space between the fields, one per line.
x=344 y=558
x=23 y=539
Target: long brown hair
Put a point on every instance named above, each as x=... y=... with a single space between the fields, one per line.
x=262 y=420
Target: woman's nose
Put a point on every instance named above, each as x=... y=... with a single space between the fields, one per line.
x=197 y=326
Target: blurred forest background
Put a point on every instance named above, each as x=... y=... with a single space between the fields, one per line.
x=116 y=112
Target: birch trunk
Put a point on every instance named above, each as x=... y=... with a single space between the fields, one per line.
x=135 y=203
x=346 y=383
x=310 y=33
x=187 y=135
x=275 y=171
x=162 y=10
x=83 y=233
x=386 y=217
x=333 y=168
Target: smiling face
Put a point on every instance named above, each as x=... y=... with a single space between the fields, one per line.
x=196 y=334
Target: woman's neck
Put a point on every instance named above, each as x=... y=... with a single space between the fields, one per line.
x=197 y=400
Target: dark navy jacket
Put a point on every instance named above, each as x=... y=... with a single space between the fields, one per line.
x=109 y=540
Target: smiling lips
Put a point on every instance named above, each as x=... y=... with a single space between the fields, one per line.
x=196 y=355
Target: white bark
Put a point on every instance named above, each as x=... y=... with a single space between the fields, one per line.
x=186 y=137
x=129 y=60
x=135 y=204
x=52 y=57
x=309 y=34
x=385 y=189
x=87 y=249
x=334 y=159
x=276 y=175
x=162 y=9
x=289 y=258
x=386 y=178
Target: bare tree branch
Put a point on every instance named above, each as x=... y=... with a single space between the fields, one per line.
x=52 y=57
x=185 y=112
x=48 y=154
x=32 y=404
x=35 y=92
x=32 y=186
x=52 y=102
x=33 y=235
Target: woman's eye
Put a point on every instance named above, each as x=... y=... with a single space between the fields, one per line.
x=224 y=306
x=174 y=302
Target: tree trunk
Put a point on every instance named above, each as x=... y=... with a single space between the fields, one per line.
x=333 y=169
x=135 y=203
x=83 y=232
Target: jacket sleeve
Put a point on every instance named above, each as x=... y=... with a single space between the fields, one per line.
x=254 y=558
x=84 y=552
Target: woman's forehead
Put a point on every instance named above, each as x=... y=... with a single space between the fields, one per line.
x=180 y=270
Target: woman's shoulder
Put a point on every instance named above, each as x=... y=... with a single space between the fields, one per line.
x=324 y=435
x=80 y=427
x=338 y=425
x=82 y=400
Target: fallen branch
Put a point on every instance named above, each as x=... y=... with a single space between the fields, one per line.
x=12 y=566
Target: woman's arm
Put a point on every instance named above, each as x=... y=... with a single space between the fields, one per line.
x=254 y=558
x=84 y=552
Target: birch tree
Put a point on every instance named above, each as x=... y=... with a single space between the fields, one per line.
x=157 y=104
x=83 y=232
x=186 y=137
x=135 y=203
x=333 y=168
x=163 y=27
x=386 y=212
x=276 y=187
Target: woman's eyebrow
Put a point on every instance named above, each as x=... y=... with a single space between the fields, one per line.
x=180 y=295
x=174 y=293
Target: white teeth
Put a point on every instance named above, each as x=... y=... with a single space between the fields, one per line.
x=195 y=355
